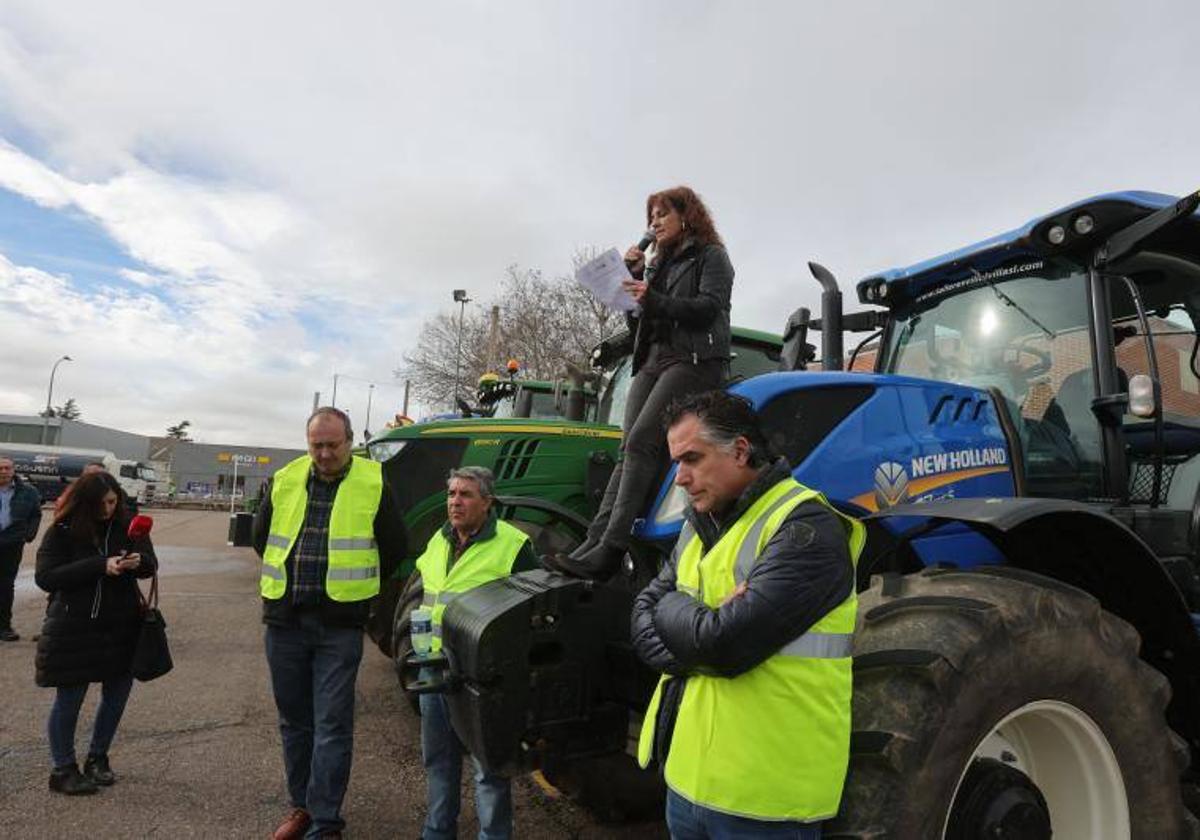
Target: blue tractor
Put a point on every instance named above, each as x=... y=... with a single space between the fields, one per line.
x=1026 y=455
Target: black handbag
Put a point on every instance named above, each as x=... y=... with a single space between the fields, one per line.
x=151 y=656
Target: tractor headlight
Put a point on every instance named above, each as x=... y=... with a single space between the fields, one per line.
x=1057 y=235
x=1084 y=224
x=385 y=450
x=672 y=507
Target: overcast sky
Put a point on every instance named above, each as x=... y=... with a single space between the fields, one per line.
x=215 y=207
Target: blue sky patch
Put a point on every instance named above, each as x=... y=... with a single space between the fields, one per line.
x=61 y=242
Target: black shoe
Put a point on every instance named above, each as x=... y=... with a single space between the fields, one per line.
x=584 y=547
x=70 y=781
x=9 y=635
x=599 y=562
x=96 y=768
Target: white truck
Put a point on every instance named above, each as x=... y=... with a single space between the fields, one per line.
x=52 y=468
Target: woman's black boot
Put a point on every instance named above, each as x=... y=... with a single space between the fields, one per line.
x=599 y=562
x=70 y=781
x=96 y=768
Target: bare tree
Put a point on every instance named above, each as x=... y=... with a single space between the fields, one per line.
x=543 y=324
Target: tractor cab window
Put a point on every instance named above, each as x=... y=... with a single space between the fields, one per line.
x=1170 y=291
x=616 y=392
x=1023 y=332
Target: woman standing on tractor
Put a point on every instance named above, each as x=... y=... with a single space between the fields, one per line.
x=681 y=346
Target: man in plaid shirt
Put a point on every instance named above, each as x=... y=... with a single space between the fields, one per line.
x=328 y=532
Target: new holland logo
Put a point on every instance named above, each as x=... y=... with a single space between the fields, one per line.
x=891 y=485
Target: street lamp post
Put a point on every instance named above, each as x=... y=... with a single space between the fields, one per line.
x=460 y=297
x=50 y=396
x=367 y=425
x=333 y=400
x=233 y=486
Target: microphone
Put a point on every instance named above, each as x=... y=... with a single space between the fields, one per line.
x=139 y=527
x=644 y=242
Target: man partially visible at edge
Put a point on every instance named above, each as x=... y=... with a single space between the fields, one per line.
x=328 y=532
x=20 y=515
x=751 y=624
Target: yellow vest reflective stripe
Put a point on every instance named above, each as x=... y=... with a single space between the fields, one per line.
x=481 y=563
x=353 y=568
x=772 y=743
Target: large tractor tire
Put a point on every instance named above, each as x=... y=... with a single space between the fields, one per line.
x=409 y=600
x=998 y=703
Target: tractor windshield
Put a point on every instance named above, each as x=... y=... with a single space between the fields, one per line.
x=1024 y=331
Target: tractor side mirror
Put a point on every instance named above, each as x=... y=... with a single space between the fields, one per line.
x=797 y=352
x=1141 y=396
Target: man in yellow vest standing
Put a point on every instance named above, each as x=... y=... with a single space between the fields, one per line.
x=327 y=532
x=471 y=549
x=750 y=623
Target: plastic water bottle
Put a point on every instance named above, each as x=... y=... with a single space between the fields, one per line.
x=422 y=631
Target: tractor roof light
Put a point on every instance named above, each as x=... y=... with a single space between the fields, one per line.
x=881 y=290
x=1056 y=235
x=1084 y=224
x=1142 y=402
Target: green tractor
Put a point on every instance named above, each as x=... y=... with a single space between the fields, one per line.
x=552 y=447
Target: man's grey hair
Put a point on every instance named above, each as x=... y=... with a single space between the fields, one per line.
x=482 y=477
x=330 y=411
x=723 y=418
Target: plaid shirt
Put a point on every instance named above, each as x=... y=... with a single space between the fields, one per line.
x=309 y=560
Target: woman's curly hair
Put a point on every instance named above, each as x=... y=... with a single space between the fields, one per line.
x=697 y=221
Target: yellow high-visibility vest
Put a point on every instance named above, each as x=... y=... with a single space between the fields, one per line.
x=353 y=570
x=772 y=743
x=481 y=563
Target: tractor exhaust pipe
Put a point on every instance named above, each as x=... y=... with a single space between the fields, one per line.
x=831 y=318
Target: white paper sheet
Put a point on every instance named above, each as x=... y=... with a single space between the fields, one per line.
x=603 y=276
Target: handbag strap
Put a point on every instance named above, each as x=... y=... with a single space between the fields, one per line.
x=151 y=602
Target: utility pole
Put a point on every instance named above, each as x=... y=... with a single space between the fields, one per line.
x=404 y=410
x=333 y=401
x=367 y=424
x=493 y=351
x=316 y=400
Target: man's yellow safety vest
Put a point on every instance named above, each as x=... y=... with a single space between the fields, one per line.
x=481 y=563
x=772 y=743
x=353 y=571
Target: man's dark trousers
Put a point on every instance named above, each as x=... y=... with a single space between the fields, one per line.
x=313 y=669
x=10 y=561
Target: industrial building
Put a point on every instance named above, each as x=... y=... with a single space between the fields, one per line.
x=187 y=470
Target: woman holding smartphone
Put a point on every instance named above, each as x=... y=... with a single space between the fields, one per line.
x=89 y=566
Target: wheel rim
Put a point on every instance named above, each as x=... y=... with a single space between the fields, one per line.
x=1068 y=758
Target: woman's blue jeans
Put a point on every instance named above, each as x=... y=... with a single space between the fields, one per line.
x=64 y=715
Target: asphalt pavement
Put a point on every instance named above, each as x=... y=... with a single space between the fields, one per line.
x=198 y=753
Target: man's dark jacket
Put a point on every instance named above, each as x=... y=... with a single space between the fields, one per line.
x=25 y=507
x=686 y=307
x=390 y=539
x=804 y=571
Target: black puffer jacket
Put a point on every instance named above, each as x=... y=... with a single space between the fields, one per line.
x=92 y=618
x=686 y=308
x=803 y=572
